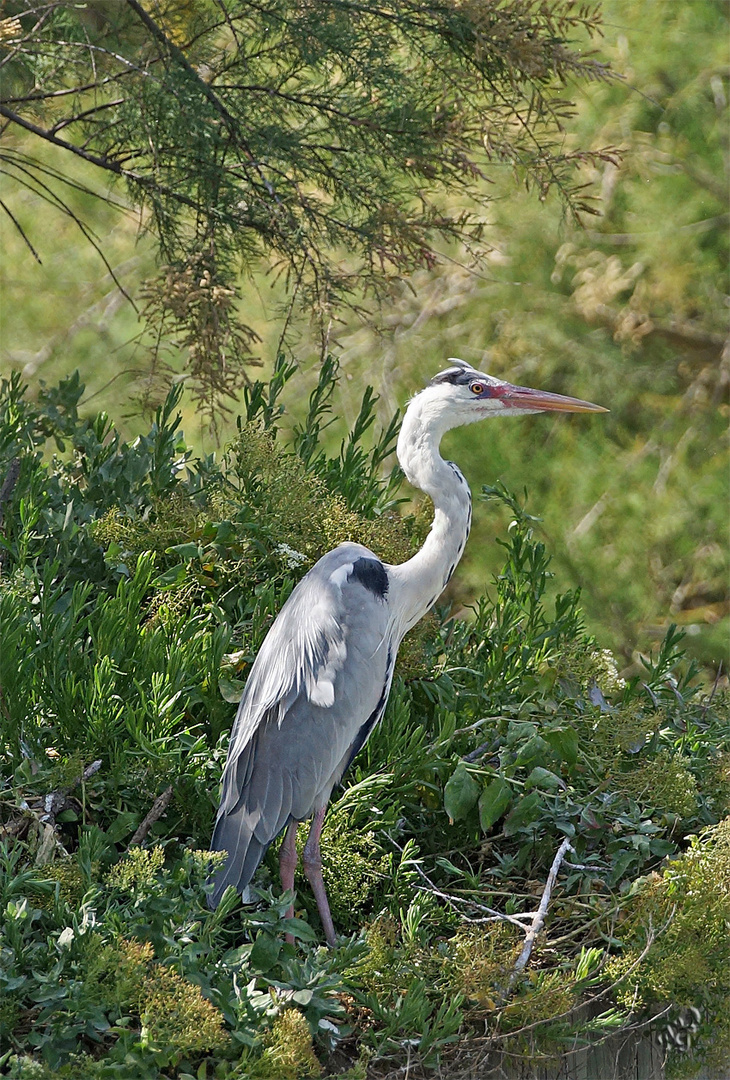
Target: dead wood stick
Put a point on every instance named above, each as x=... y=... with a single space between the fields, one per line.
x=88 y=772
x=454 y=900
x=539 y=917
x=159 y=807
x=56 y=801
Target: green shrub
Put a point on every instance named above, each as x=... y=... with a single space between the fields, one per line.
x=137 y=586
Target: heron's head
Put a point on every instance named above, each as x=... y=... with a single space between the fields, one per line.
x=461 y=394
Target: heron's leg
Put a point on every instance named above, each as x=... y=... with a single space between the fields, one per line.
x=312 y=862
x=287 y=866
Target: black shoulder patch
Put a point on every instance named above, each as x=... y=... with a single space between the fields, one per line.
x=372 y=575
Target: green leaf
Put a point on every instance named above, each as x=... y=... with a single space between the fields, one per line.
x=185 y=551
x=231 y=689
x=662 y=847
x=460 y=794
x=298 y=928
x=265 y=952
x=543 y=778
x=564 y=742
x=493 y=802
x=123 y=824
x=526 y=810
x=534 y=749
x=174 y=576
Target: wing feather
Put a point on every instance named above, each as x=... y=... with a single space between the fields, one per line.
x=321 y=675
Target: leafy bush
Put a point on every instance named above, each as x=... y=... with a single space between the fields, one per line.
x=677 y=944
x=137 y=585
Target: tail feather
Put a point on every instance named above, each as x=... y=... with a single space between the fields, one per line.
x=245 y=852
x=256 y=804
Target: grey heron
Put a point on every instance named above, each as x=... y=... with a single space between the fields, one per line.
x=321 y=679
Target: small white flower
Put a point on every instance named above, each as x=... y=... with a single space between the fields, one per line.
x=66 y=937
x=293 y=558
x=607 y=675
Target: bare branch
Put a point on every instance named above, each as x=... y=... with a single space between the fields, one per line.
x=539 y=919
x=159 y=807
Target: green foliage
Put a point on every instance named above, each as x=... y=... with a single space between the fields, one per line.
x=676 y=944
x=627 y=312
x=289 y=1053
x=145 y=974
x=321 y=137
x=504 y=734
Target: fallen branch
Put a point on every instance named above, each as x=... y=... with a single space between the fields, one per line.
x=539 y=918
x=56 y=801
x=486 y=747
x=452 y=901
x=159 y=807
x=43 y=810
x=606 y=991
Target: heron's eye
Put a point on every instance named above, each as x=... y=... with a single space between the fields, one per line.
x=477 y=387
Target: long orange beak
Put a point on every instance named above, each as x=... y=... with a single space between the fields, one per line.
x=521 y=397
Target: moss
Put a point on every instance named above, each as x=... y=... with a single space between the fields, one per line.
x=480 y=960
x=175 y=1015
x=415 y=659
x=116 y=972
x=394 y=962
x=72 y=886
x=543 y=996
x=352 y=867
x=377 y=967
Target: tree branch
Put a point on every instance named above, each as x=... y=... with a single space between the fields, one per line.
x=103 y=162
x=159 y=807
x=539 y=919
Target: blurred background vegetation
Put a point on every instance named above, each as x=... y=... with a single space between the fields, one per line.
x=628 y=308
x=141 y=568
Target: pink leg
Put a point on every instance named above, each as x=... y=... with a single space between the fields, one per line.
x=287 y=866
x=312 y=862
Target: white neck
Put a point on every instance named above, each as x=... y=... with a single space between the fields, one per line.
x=419 y=582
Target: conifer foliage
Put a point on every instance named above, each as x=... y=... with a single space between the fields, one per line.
x=322 y=136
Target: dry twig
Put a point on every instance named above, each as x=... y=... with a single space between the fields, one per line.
x=159 y=807
x=539 y=917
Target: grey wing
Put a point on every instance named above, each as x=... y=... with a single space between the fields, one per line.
x=318 y=685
